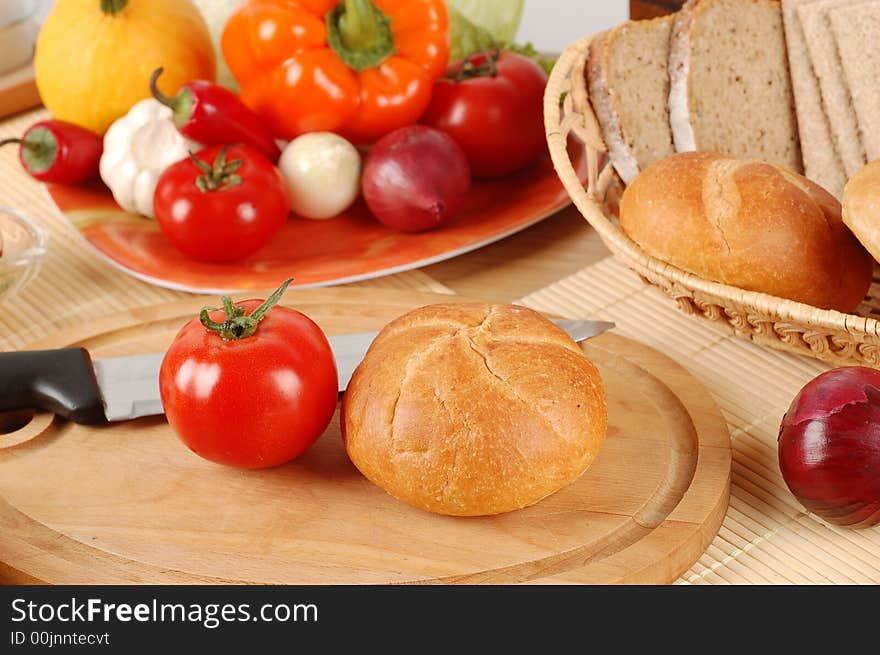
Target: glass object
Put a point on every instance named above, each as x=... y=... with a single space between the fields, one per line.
x=23 y=244
x=18 y=33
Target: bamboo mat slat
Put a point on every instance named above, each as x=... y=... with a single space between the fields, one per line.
x=767 y=537
x=75 y=284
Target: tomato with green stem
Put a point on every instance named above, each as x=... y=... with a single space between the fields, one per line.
x=492 y=105
x=222 y=204
x=251 y=384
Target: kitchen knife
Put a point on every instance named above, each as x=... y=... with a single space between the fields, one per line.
x=70 y=384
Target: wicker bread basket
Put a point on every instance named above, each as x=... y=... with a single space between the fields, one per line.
x=841 y=339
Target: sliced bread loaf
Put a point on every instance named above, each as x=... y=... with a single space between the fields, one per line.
x=629 y=87
x=821 y=162
x=730 y=88
x=836 y=98
x=857 y=32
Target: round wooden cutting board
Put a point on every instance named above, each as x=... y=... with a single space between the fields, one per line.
x=129 y=503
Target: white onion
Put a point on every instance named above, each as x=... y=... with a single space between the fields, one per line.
x=323 y=173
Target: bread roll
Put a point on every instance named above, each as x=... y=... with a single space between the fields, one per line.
x=473 y=409
x=861 y=207
x=748 y=224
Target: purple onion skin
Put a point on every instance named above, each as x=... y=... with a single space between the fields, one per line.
x=415 y=178
x=829 y=447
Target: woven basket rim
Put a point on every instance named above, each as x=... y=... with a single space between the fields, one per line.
x=576 y=116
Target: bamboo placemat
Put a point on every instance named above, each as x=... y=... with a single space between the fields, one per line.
x=75 y=284
x=767 y=537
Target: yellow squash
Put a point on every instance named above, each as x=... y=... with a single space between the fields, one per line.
x=94 y=57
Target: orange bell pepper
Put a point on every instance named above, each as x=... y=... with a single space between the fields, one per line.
x=360 y=68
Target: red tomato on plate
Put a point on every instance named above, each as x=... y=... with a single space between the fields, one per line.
x=221 y=205
x=255 y=400
x=494 y=109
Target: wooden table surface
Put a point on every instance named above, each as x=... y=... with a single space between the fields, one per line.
x=514 y=267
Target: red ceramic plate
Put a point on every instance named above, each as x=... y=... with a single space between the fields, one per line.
x=348 y=248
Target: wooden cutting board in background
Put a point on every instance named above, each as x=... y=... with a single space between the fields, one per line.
x=128 y=503
x=18 y=91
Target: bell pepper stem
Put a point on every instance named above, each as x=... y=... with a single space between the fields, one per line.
x=181 y=104
x=37 y=152
x=157 y=94
x=358 y=26
x=237 y=325
x=6 y=142
x=360 y=33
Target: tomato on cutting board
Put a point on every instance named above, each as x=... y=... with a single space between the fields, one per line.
x=492 y=104
x=250 y=385
x=222 y=204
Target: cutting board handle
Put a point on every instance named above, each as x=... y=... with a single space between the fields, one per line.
x=59 y=381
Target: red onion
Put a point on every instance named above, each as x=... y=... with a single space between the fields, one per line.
x=829 y=446
x=415 y=178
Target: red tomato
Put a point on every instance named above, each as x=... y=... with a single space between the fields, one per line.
x=221 y=208
x=497 y=119
x=251 y=402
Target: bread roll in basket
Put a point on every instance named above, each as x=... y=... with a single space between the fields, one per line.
x=839 y=338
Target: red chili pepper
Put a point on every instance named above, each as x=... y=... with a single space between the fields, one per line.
x=214 y=116
x=60 y=152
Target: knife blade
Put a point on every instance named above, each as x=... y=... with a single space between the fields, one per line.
x=70 y=384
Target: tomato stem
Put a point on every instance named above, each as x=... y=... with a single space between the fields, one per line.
x=488 y=68
x=219 y=175
x=230 y=308
x=237 y=325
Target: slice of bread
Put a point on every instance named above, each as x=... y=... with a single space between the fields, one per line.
x=857 y=32
x=730 y=88
x=836 y=98
x=821 y=162
x=629 y=87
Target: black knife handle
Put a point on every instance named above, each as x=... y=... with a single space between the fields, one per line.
x=58 y=381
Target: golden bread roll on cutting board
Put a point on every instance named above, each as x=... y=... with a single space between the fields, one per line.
x=473 y=409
